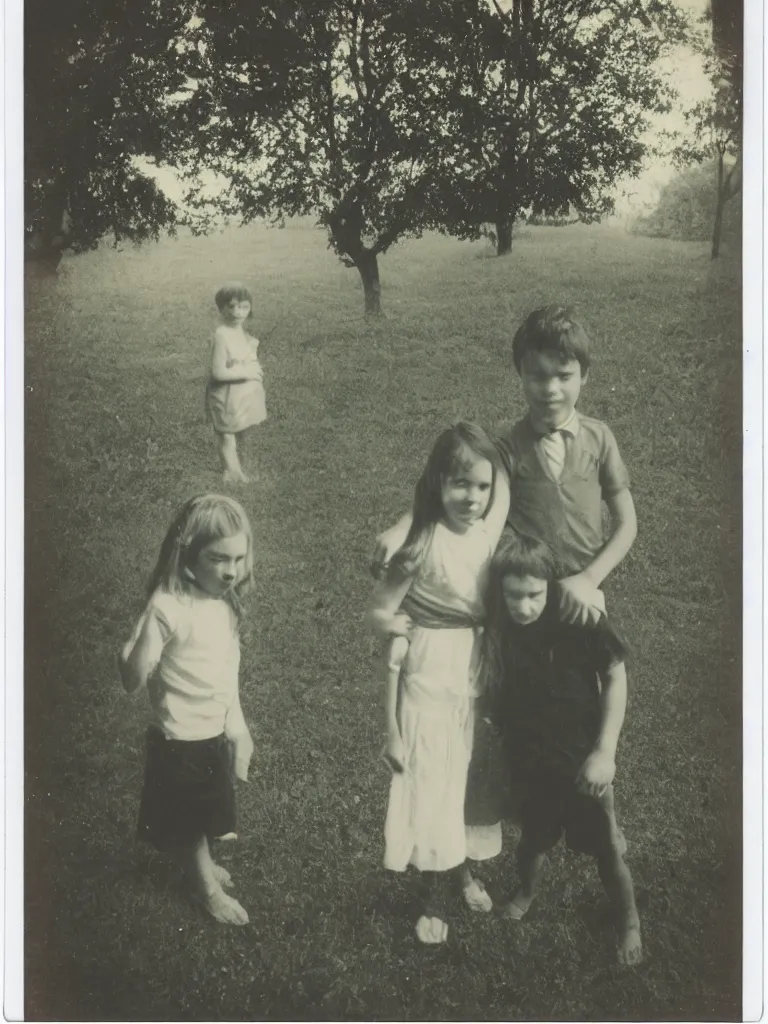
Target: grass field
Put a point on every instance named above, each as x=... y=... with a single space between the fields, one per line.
x=116 y=359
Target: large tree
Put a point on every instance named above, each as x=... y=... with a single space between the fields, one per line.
x=313 y=108
x=97 y=73
x=545 y=103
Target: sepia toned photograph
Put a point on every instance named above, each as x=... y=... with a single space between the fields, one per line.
x=382 y=510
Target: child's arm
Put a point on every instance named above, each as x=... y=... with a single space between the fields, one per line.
x=496 y=516
x=388 y=543
x=238 y=733
x=579 y=592
x=141 y=654
x=384 y=613
x=598 y=770
x=396 y=652
x=224 y=371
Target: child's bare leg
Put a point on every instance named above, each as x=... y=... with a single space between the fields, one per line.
x=473 y=890
x=530 y=866
x=617 y=882
x=222 y=876
x=233 y=471
x=207 y=881
x=253 y=473
x=431 y=928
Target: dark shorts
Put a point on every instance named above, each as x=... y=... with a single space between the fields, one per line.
x=553 y=808
x=188 y=791
x=485 y=801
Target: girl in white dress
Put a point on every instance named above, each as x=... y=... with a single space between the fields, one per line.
x=433 y=596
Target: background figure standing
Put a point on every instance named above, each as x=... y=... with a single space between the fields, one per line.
x=234 y=396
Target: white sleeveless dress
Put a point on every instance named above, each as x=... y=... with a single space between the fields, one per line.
x=425 y=817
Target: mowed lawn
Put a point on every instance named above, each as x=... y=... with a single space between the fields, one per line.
x=116 y=439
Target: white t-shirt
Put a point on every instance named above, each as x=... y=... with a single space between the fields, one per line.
x=196 y=679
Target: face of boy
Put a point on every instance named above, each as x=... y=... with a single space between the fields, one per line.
x=466 y=492
x=551 y=387
x=220 y=564
x=525 y=598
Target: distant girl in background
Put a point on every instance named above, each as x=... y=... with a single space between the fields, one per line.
x=430 y=602
x=185 y=650
x=234 y=396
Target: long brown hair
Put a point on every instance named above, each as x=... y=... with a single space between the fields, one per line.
x=448 y=456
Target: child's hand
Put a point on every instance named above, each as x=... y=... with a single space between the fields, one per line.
x=581 y=602
x=400 y=625
x=597 y=773
x=243 y=745
x=394 y=752
x=398 y=651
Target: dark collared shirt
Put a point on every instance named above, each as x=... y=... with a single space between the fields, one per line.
x=566 y=513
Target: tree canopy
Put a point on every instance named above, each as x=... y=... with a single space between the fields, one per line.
x=546 y=105
x=380 y=117
x=97 y=76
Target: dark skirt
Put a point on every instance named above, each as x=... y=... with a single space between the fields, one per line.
x=188 y=791
x=486 y=797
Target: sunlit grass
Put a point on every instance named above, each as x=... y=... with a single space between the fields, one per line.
x=116 y=439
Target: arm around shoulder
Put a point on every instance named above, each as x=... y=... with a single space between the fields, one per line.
x=623 y=532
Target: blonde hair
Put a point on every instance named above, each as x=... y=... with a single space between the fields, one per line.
x=200 y=521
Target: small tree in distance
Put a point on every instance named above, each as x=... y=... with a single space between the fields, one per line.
x=309 y=109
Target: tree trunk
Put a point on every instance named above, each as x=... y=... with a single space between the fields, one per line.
x=722 y=196
x=368 y=267
x=504 y=227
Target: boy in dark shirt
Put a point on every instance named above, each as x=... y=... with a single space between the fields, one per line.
x=563 y=466
x=560 y=696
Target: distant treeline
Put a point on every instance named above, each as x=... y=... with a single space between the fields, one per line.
x=686 y=208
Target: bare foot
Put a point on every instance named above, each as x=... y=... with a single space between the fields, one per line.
x=431 y=930
x=235 y=476
x=517 y=907
x=476 y=896
x=224 y=908
x=630 y=948
x=222 y=876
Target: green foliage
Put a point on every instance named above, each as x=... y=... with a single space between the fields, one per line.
x=311 y=109
x=687 y=206
x=546 y=103
x=97 y=74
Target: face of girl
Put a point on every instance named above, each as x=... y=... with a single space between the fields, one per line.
x=467 y=491
x=236 y=311
x=220 y=564
x=525 y=598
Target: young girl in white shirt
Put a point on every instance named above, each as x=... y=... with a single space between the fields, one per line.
x=185 y=650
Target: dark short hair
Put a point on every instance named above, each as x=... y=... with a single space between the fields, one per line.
x=554 y=331
x=520 y=555
x=232 y=290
